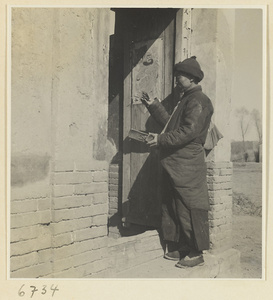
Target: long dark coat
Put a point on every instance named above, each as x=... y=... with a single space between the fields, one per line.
x=181 y=145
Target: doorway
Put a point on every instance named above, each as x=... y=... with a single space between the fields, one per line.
x=141 y=59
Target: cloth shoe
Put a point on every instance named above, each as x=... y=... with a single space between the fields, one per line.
x=176 y=255
x=190 y=260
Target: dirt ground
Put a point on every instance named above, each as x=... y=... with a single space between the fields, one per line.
x=247 y=238
x=247 y=217
x=247 y=228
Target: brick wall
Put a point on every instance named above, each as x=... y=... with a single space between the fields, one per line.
x=30 y=233
x=219 y=178
x=61 y=231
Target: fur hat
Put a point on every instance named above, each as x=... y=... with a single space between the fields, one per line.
x=191 y=67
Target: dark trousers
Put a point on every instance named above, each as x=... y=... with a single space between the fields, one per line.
x=188 y=227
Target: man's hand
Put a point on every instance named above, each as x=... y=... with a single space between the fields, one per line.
x=145 y=99
x=151 y=140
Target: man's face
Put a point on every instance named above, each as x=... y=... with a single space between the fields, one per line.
x=182 y=81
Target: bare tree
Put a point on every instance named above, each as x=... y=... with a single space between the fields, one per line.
x=256 y=116
x=243 y=115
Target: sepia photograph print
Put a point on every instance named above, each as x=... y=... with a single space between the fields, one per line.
x=136 y=142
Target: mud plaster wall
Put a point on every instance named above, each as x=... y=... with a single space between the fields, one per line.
x=59 y=87
x=31 y=97
x=59 y=172
x=213 y=44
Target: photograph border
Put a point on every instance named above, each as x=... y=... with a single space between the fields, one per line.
x=149 y=284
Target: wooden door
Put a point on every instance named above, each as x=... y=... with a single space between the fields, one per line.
x=148 y=66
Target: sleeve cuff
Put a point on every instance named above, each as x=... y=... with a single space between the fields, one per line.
x=154 y=105
x=159 y=137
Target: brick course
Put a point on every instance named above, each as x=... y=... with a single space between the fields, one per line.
x=22 y=261
x=25 y=247
x=92 y=188
x=114 y=198
x=72 y=202
x=36 y=192
x=28 y=219
x=23 y=206
x=63 y=190
x=100 y=198
x=71 y=225
x=101 y=176
x=34 y=271
x=27 y=233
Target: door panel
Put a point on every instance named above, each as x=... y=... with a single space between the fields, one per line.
x=147 y=73
x=148 y=63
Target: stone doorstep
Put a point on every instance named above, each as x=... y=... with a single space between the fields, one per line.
x=131 y=251
x=138 y=237
x=223 y=265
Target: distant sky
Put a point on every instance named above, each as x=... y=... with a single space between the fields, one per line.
x=247 y=89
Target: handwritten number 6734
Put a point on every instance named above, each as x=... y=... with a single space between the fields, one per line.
x=34 y=289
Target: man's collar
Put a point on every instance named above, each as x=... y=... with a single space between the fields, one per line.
x=193 y=90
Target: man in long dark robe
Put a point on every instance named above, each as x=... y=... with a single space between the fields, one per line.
x=186 y=204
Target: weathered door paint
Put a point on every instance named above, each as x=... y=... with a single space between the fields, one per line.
x=148 y=66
